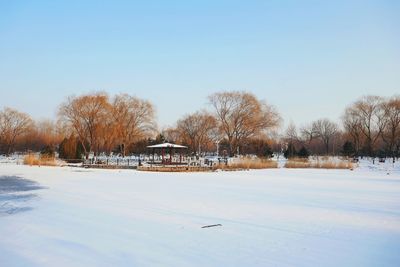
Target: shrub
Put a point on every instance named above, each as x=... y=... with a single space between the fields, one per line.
x=31 y=159
x=258 y=147
x=298 y=163
x=42 y=160
x=248 y=163
x=302 y=163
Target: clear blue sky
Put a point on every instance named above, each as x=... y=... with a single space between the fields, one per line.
x=308 y=58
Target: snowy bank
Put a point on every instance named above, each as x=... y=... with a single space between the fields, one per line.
x=275 y=217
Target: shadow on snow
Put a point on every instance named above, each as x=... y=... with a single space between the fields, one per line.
x=15 y=194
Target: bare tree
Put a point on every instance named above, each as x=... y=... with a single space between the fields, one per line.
x=241 y=116
x=291 y=133
x=50 y=131
x=197 y=129
x=352 y=125
x=134 y=117
x=370 y=114
x=325 y=130
x=86 y=115
x=307 y=133
x=391 y=132
x=13 y=124
x=172 y=135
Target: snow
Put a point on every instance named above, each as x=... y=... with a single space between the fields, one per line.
x=166 y=145
x=16 y=159
x=61 y=216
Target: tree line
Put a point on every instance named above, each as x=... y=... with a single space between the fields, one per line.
x=236 y=122
x=369 y=126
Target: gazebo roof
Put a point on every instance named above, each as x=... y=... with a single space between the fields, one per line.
x=167 y=145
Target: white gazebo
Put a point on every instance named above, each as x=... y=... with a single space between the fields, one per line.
x=167 y=147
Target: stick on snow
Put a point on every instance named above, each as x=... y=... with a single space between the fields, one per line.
x=212 y=225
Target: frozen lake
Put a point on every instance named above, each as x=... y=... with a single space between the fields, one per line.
x=51 y=216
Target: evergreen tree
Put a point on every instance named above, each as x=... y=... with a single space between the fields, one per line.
x=267 y=151
x=290 y=151
x=160 y=139
x=70 y=148
x=48 y=151
x=348 y=149
x=303 y=152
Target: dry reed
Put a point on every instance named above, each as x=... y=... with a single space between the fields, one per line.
x=248 y=164
x=34 y=160
x=325 y=163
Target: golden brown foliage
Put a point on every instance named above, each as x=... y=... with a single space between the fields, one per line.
x=86 y=116
x=134 y=119
x=197 y=130
x=241 y=116
x=101 y=125
x=13 y=124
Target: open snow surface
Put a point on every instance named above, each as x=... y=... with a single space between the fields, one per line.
x=52 y=216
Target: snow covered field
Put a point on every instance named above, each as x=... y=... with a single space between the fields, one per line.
x=51 y=216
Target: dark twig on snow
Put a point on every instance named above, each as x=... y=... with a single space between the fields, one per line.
x=212 y=225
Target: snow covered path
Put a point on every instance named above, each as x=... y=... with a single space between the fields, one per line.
x=281 y=217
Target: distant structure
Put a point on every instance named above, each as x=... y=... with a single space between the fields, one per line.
x=167 y=149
